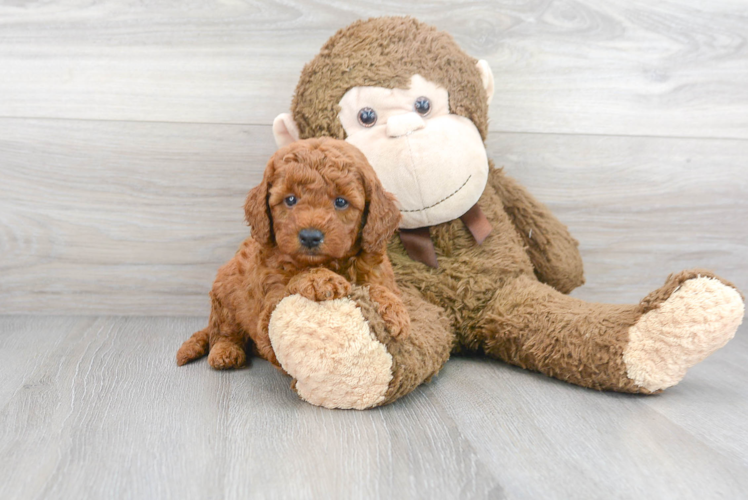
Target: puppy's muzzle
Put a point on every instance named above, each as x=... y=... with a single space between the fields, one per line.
x=311 y=238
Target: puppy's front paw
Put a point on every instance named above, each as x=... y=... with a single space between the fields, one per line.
x=319 y=284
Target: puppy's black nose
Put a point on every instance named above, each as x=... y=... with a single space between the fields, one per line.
x=311 y=238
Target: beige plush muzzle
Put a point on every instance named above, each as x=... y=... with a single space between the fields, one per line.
x=435 y=164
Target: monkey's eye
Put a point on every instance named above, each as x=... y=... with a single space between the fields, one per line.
x=290 y=200
x=422 y=106
x=367 y=117
x=341 y=203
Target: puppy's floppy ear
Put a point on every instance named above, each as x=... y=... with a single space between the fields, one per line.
x=382 y=215
x=257 y=210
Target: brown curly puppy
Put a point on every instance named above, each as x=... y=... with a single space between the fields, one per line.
x=320 y=222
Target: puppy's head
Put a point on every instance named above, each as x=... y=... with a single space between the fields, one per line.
x=320 y=200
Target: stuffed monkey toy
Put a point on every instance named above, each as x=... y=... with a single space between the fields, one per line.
x=484 y=267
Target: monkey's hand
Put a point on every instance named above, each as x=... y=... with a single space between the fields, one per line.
x=319 y=284
x=392 y=310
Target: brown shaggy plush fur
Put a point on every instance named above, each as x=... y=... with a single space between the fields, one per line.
x=497 y=306
x=417 y=358
x=273 y=264
x=504 y=298
x=395 y=50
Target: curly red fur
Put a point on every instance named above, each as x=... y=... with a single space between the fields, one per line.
x=273 y=263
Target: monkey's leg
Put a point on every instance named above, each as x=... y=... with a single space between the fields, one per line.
x=341 y=354
x=629 y=348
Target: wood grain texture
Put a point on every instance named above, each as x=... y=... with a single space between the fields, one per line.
x=641 y=208
x=104 y=412
x=26 y=342
x=136 y=218
x=109 y=414
x=626 y=68
x=105 y=214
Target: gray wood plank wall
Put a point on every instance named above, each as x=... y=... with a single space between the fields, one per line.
x=130 y=133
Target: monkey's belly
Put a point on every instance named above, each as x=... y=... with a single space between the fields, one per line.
x=468 y=275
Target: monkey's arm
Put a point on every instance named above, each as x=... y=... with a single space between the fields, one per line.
x=550 y=246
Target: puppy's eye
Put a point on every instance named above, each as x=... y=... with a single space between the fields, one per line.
x=422 y=106
x=290 y=200
x=367 y=117
x=341 y=203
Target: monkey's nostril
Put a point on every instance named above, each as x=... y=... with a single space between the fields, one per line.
x=311 y=238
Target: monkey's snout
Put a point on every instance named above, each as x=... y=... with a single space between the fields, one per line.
x=311 y=238
x=400 y=125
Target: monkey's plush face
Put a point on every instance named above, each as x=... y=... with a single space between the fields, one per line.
x=433 y=161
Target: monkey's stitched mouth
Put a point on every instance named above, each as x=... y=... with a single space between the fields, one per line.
x=440 y=201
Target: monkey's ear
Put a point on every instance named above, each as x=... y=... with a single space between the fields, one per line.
x=285 y=130
x=486 y=75
x=382 y=214
x=257 y=210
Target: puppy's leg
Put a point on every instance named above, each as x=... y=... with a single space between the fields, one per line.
x=227 y=354
x=392 y=310
x=195 y=347
x=262 y=339
x=226 y=338
x=227 y=351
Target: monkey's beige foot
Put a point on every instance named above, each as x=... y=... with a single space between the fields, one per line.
x=330 y=351
x=685 y=321
x=224 y=355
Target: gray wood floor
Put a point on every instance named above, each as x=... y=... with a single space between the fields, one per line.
x=131 y=131
x=95 y=407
